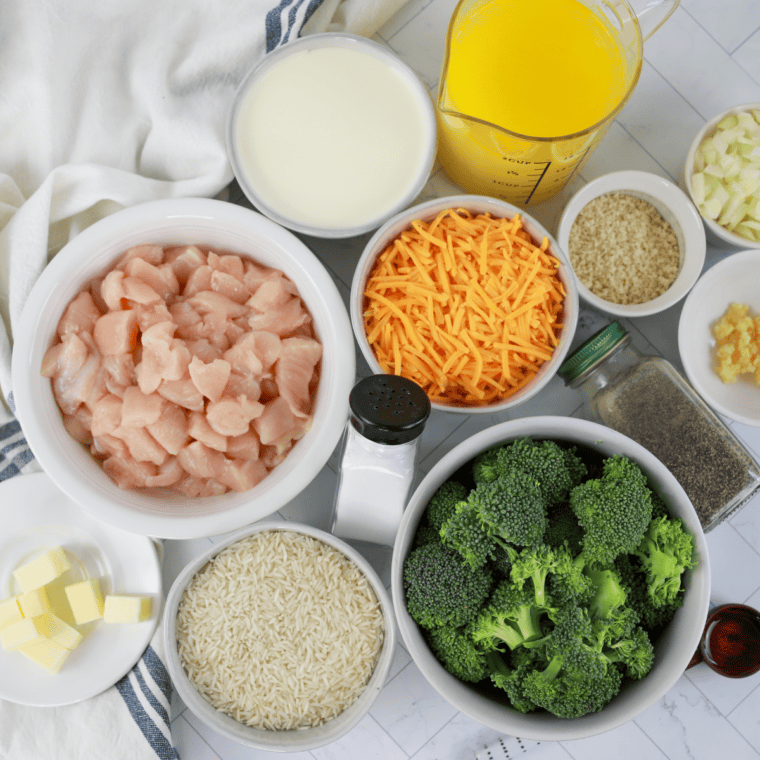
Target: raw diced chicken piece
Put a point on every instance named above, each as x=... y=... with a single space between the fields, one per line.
x=106 y=445
x=198 y=281
x=255 y=274
x=183 y=393
x=294 y=370
x=281 y=320
x=243 y=385
x=106 y=415
x=241 y=475
x=170 y=277
x=269 y=295
x=212 y=487
x=77 y=430
x=211 y=378
x=112 y=289
x=229 y=286
x=50 y=360
x=139 y=409
x=244 y=446
x=170 y=430
x=232 y=416
x=151 y=275
x=184 y=316
x=244 y=357
x=185 y=260
x=142 y=446
x=116 y=332
x=153 y=254
x=120 y=368
x=227 y=262
x=80 y=315
x=199 y=460
x=275 y=422
x=203 y=350
x=127 y=473
x=199 y=429
x=163 y=357
x=76 y=380
x=189 y=486
x=147 y=316
x=234 y=330
x=168 y=474
x=209 y=302
x=139 y=291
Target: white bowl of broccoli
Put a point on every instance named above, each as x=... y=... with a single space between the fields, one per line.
x=550 y=578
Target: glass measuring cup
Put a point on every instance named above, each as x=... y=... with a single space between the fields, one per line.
x=520 y=128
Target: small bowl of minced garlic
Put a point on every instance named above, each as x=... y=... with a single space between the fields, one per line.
x=635 y=242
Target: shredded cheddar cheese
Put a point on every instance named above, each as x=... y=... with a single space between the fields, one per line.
x=467 y=306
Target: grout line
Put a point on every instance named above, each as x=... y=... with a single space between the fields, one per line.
x=192 y=728
x=730 y=53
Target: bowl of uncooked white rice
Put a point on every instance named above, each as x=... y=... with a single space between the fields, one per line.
x=280 y=637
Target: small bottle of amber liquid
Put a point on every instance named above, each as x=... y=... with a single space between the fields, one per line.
x=731 y=642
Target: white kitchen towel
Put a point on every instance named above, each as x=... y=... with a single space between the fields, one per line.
x=104 y=105
x=514 y=748
x=107 y=104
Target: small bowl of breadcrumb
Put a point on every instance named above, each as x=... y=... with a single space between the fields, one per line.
x=635 y=242
x=719 y=337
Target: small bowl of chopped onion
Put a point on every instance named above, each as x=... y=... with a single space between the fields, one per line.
x=469 y=297
x=719 y=337
x=306 y=645
x=722 y=176
x=635 y=242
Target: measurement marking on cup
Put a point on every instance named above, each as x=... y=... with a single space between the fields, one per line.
x=538 y=181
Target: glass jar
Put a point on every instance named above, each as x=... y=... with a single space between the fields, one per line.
x=647 y=399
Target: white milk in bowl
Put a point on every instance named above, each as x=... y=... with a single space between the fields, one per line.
x=331 y=135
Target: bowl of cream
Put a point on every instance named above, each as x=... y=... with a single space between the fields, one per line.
x=331 y=135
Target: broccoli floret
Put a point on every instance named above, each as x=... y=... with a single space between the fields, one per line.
x=510 y=617
x=511 y=508
x=485 y=468
x=577 y=679
x=556 y=469
x=442 y=589
x=510 y=679
x=665 y=553
x=635 y=582
x=634 y=652
x=501 y=561
x=611 y=618
x=426 y=534
x=444 y=502
x=464 y=532
x=458 y=654
x=563 y=527
x=543 y=563
x=613 y=511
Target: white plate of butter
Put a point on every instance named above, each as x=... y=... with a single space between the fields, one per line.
x=79 y=599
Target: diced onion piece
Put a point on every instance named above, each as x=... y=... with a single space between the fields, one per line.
x=726 y=177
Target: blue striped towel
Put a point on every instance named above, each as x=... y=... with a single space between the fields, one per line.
x=131 y=720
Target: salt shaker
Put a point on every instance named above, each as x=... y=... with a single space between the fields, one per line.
x=647 y=399
x=378 y=457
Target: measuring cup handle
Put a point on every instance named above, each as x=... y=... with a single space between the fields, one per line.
x=652 y=14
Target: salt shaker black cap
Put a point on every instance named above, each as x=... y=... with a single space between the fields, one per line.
x=389 y=408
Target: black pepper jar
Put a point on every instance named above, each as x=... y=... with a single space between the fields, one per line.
x=647 y=399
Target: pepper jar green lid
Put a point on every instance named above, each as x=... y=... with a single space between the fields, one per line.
x=592 y=351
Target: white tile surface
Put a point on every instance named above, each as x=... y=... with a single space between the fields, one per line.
x=706 y=57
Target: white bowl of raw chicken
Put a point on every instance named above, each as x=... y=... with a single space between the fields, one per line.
x=207 y=224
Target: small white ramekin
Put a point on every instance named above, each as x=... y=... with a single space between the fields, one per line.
x=675 y=208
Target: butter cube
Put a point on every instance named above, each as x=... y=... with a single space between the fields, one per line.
x=34 y=603
x=16 y=634
x=55 y=629
x=10 y=612
x=42 y=570
x=48 y=654
x=86 y=600
x=126 y=609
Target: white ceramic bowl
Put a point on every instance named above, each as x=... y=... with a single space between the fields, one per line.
x=672 y=652
x=91 y=253
x=370 y=203
x=299 y=740
x=477 y=204
x=735 y=279
x=674 y=207
x=716 y=232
